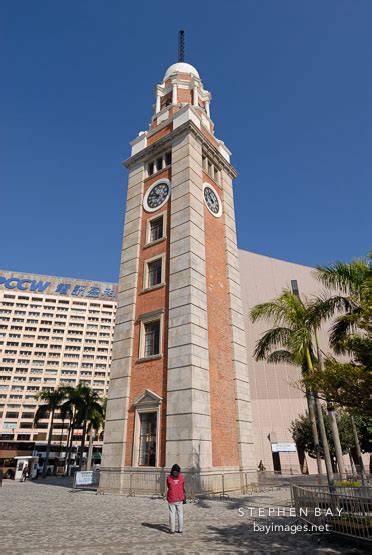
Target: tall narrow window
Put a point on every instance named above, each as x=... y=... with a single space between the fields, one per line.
x=154 y=272
x=150 y=168
x=152 y=339
x=156 y=229
x=147 y=439
x=159 y=163
x=294 y=286
x=168 y=158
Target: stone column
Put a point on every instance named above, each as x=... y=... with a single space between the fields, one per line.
x=195 y=99
x=239 y=347
x=188 y=394
x=122 y=352
x=157 y=105
x=207 y=108
x=174 y=92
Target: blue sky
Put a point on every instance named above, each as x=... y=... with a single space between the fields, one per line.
x=291 y=85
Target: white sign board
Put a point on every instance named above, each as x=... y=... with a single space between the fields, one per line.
x=283 y=447
x=84 y=478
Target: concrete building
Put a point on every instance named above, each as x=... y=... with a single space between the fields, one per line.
x=53 y=331
x=276 y=398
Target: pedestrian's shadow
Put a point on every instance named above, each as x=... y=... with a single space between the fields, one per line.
x=160 y=527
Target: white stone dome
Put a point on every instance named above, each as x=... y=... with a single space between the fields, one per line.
x=180 y=67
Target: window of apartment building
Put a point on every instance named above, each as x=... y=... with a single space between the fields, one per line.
x=28 y=414
x=23 y=437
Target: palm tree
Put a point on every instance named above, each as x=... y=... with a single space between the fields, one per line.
x=291 y=341
x=85 y=404
x=353 y=283
x=96 y=422
x=52 y=401
x=351 y=331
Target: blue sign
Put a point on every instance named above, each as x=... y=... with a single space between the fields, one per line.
x=24 y=284
x=37 y=286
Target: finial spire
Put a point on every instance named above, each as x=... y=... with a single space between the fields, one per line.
x=181 y=46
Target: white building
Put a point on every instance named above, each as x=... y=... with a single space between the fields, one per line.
x=53 y=331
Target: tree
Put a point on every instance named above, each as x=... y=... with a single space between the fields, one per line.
x=348 y=383
x=87 y=406
x=83 y=405
x=52 y=401
x=345 y=384
x=291 y=341
x=302 y=435
x=96 y=422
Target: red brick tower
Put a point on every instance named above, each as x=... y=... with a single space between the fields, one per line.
x=179 y=388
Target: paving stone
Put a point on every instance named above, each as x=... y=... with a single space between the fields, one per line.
x=46 y=517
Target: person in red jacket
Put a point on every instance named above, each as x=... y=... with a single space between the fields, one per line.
x=175 y=498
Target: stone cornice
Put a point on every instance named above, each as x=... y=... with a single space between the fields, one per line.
x=152 y=150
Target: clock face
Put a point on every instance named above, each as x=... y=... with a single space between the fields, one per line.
x=157 y=195
x=212 y=200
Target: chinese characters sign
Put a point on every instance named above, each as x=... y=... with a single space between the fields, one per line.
x=95 y=291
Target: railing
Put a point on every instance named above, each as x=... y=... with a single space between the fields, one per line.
x=343 y=510
x=197 y=484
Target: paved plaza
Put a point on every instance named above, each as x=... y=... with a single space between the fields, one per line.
x=46 y=517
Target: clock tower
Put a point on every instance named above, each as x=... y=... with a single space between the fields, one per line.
x=179 y=389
